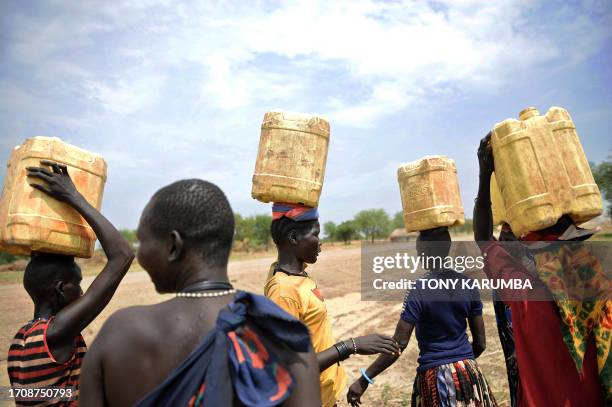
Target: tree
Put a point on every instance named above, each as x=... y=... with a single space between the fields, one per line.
x=330 y=229
x=462 y=229
x=252 y=231
x=241 y=227
x=602 y=173
x=8 y=258
x=346 y=231
x=261 y=230
x=131 y=237
x=373 y=223
x=398 y=220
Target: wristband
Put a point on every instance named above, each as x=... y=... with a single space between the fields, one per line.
x=365 y=376
x=343 y=350
x=354 y=346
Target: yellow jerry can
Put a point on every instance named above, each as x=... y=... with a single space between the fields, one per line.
x=30 y=219
x=497 y=203
x=291 y=159
x=429 y=189
x=542 y=171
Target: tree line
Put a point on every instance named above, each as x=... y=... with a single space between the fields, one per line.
x=253 y=232
x=372 y=224
x=602 y=173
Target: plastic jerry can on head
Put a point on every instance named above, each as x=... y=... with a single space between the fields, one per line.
x=429 y=189
x=30 y=220
x=498 y=208
x=291 y=160
x=542 y=171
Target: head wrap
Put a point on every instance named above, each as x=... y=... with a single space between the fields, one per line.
x=296 y=212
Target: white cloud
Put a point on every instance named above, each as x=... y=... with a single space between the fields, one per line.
x=420 y=48
x=386 y=98
x=231 y=89
x=126 y=96
x=169 y=89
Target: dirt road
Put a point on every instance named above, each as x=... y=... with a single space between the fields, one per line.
x=338 y=275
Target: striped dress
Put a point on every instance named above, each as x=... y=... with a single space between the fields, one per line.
x=456 y=384
x=30 y=364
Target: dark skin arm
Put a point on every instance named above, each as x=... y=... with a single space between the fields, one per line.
x=483 y=217
x=91 y=381
x=403 y=332
x=307 y=390
x=479 y=340
x=366 y=345
x=72 y=319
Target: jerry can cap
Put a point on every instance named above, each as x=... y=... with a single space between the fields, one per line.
x=528 y=113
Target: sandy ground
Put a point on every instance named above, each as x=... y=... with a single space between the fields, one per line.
x=338 y=275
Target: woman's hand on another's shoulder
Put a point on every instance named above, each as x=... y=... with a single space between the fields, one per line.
x=373 y=344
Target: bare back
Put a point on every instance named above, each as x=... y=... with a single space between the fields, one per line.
x=140 y=346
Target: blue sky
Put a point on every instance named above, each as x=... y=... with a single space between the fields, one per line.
x=166 y=90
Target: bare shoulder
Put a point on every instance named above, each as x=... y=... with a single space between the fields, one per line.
x=131 y=322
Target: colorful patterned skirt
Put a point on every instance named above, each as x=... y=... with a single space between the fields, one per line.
x=454 y=384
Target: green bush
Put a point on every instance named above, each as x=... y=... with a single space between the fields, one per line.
x=6 y=258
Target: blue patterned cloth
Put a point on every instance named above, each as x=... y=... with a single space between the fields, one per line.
x=232 y=364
